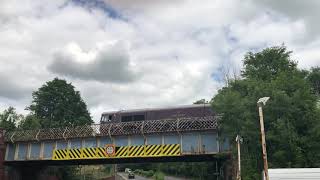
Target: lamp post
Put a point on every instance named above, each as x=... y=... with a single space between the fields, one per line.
x=261 y=102
x=239 y=140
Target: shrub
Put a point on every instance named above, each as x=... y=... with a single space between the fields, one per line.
x=158 y=176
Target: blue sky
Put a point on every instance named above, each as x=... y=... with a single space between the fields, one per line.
x=100 y=5
x=123 y=54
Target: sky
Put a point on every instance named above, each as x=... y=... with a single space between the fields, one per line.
x=124 y=54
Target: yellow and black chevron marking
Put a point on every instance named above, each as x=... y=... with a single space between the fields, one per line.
x=89 y=153
x=74 y=153
x=60 y=154
x=121 y=152
x=82 y=153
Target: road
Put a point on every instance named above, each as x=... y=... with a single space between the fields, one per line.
x=124 y=176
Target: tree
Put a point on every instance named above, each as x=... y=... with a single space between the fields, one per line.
x=29 y=122
x=201 y=101
x=57 y=103
x=290 y=115
x=9 y=123
x=314 y=79
x=268 y=64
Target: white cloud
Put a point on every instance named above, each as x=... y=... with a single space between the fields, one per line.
x=173 y=51
x=296 y=10
x=308 y=55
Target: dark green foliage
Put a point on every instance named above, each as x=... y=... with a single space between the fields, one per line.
x=158 y=175
x=291 y=115
x=30 y=122
x=54 y=104
x=62 y=172
x=268 y=64
x=314 y=79
x=57 y=104
x=201 y=101
x=9 y=123
x=194 y=170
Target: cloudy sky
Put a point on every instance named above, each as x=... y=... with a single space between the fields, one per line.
x=123 y=54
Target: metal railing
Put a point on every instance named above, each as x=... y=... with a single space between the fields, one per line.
x=116 y=129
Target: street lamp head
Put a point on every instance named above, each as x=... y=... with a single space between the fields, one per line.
x=263 y=100
x=239 y=139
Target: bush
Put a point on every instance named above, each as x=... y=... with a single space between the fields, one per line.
x=149 y=173
x=158 y=176
x=141 y=172
x=137 y=171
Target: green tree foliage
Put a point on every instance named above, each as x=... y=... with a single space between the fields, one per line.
x=314 y=78
x=57 y=104
x=201 y=101
x=194 y=170
x=29 y=122
x=9 y=123
x=291 y=115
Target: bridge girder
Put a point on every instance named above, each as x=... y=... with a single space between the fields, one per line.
x=116 y=129
x=183 y=158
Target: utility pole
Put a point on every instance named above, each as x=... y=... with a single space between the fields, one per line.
x=261 y=102
x=239 y=140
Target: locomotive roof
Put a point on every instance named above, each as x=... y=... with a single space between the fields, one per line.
x=157 y=109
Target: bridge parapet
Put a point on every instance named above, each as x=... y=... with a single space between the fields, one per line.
x=116 y=129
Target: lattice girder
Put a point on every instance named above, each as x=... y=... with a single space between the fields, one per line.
x=116 y=129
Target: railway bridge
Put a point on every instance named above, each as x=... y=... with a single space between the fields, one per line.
x=165 y=140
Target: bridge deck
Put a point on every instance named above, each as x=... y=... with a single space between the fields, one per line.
x=205 y=142
x=183 y=158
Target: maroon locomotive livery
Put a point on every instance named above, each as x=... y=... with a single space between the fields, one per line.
x=187 y=111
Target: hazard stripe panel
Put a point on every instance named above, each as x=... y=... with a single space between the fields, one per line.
x=120 y=152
